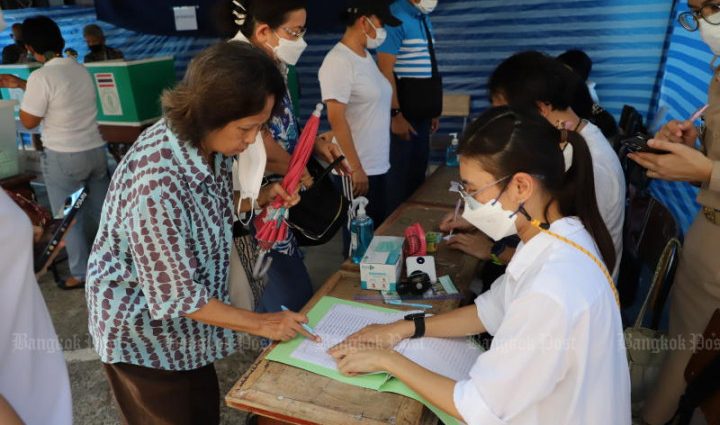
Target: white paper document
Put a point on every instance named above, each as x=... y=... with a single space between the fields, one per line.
x=450 y=357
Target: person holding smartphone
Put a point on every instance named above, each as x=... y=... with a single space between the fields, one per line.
x=696 y=290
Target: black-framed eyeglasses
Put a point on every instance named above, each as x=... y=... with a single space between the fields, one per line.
x=709 y=12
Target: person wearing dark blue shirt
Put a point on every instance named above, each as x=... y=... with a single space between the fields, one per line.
x=407 y=59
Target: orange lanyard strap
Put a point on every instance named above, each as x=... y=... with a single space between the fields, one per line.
x=538 y=225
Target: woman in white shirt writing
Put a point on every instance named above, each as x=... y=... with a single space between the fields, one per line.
x=558 y=355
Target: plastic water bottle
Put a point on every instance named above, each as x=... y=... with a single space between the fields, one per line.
x=451 y=156
x=362 y=229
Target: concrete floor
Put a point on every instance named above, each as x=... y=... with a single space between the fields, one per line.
x=92 y=400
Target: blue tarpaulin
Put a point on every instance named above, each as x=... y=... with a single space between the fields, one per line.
x=629 y=42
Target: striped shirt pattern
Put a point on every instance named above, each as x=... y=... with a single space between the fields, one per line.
x=408 y=42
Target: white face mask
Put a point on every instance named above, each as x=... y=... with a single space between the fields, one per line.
x=380 y=36
x=249 y=170
x=711 y=36
x=427 y=6
x=289 y=51
x=490 y=218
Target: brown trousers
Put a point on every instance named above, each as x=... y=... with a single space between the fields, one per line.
x=164 y=397
x=695 y=296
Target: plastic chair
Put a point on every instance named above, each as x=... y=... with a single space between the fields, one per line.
x=651 y=244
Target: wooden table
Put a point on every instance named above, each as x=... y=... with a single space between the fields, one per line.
x=435 y=189
x=296 y=396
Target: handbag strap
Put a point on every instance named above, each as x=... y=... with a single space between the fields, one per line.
x=431 y=46
x=329 y=168
x=664 y=259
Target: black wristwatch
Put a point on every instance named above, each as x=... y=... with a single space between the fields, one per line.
x=419 y=320
x=394 y=112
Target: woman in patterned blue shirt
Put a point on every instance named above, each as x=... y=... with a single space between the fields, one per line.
x=157 y=286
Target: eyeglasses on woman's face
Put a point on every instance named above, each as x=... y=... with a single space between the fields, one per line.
x=709 y=11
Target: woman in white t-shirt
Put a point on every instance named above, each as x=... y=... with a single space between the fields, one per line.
x=61 y=96
x=358 y=99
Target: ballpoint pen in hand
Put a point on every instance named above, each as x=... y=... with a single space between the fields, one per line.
x=304 y=325
x=455 y=215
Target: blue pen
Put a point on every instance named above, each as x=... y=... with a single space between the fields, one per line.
x=304 y=325
x=398 y=302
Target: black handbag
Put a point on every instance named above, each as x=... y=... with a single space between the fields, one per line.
x=322 y=210
x=422 y=98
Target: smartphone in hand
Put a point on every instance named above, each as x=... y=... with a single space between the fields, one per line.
x=639 y=143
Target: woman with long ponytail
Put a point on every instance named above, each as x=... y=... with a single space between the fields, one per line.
x=558 y=355
x=577 y=197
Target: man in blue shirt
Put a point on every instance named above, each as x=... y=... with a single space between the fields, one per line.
x=407 y=59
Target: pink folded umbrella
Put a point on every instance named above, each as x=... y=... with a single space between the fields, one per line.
x=271 y=224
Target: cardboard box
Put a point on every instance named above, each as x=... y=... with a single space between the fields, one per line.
x=381 y=267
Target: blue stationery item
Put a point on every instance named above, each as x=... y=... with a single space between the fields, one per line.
x=304 y=325
x=404 y=304
x=362 y=229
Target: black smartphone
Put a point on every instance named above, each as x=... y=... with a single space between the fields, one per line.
x=639 y=143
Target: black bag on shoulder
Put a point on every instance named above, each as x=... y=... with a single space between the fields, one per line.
x=322 y=209
x=422 y=98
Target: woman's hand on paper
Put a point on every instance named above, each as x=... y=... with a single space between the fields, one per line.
x=381 y=337
x=366 y=361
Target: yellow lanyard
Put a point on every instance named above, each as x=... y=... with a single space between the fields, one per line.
x=538 y=225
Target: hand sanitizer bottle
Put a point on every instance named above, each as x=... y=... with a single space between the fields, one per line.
x=451 y=157
x=361 y=230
